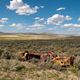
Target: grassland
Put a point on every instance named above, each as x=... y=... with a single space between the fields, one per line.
x=29 y=37
x=13 y=69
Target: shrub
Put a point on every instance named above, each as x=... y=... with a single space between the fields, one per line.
x=1 y=51
x=6 y=55
x=57 y=67
x=51 y=66
x=19 y=68
x=77 y=62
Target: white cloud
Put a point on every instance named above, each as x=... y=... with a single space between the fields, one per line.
x=1 y=25
x=15 y=4
x=68 y=18
x=18 y=25
x=57 y=19
x=13 y=25
x=22 y=8
x=42 y=6
x=79 y=19
x=37 y=18
x=26 y=10
x=3 y=20
x=36 y=27
x=39 y=23
x=61 y=8
x=71 y=25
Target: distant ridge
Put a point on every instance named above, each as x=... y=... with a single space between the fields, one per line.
x=49 y=34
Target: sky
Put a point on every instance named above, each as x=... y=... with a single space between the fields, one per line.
x=40 y=16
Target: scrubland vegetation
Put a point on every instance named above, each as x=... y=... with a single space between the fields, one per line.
x=13 y=69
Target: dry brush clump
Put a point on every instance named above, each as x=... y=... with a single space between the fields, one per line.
x=6 y=54
x=77 y=62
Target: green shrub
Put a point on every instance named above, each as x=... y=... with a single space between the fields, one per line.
x=74 y=70
x=19 y=68
x=4 y=79
x=57 y=67
x=6 y=55
x=1 y=51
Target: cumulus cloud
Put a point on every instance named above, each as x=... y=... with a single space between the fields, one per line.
x=37 y=26
x=61 y=8
x=15 y=4
x=3 y=20
x=57 y=19
x=18 y=25
x=39 y=23
x=26 y=10
x=71 y=25
x=22 y=8
x=68 y=18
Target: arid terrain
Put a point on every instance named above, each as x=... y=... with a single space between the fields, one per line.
x=30 y=36
x=13 y=69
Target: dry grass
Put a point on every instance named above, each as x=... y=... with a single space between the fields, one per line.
x=16 y=70
x=29 y=37
x=13 y=69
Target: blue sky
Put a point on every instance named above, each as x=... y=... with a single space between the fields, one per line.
x=40 y=16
